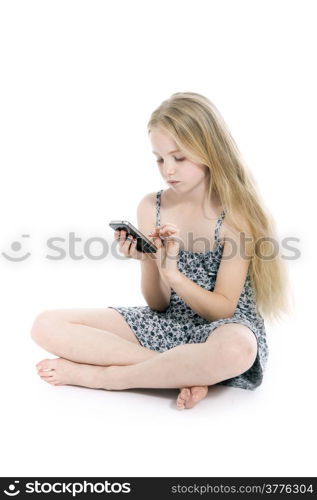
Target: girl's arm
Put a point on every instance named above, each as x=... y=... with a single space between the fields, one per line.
x=223 y=300
x=155 y=289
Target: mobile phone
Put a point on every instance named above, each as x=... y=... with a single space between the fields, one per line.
x=143 y=243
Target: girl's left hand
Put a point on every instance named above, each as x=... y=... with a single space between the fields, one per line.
x=167 y=248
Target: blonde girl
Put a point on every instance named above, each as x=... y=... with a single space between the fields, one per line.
x=209 y=287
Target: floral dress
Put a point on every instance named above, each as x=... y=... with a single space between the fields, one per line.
x=179 y=324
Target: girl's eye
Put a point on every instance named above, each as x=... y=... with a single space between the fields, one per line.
x=177 y=159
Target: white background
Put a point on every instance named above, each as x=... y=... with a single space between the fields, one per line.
x=79 y=80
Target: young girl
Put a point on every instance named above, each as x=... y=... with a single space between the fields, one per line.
x=208 y=287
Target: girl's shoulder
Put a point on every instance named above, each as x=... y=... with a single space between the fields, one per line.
x=148 y=200
x=151 y=200
x=146 y=212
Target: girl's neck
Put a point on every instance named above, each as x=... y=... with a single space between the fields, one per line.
x=194 y=204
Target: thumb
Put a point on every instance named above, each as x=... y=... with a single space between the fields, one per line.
x=157 y=242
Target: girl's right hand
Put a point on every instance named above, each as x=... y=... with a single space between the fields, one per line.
x=167 y=249
x=127 y=245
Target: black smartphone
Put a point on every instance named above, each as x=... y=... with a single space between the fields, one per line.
x=143 y=243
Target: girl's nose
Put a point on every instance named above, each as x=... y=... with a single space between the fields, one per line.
x=169 y=169
x=169 y=175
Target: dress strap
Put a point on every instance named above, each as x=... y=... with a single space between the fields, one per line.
x=218 y=225
x=158 y=207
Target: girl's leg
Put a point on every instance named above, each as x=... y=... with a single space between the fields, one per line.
x=93 y=336
x=48 y=332
x=228 y=352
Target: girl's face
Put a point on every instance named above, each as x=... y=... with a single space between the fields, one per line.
x=174 y=165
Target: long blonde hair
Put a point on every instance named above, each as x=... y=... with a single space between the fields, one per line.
x=200 y=131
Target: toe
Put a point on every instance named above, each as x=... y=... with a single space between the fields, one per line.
x=47 y=374
x=180 y=400
x=42 y=363
x=47 y=364
x=42 y=371
x=49 y=380
x=180 y=405
x=183 y=396
x=185 y=393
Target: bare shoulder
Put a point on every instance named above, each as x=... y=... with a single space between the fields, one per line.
x=146 y=212
x=147 y=199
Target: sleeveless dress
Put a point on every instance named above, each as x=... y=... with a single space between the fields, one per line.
x=179 y=324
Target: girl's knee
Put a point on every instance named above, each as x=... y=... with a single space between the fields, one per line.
x=246 y=348
x=41 y=325
x=232 y=347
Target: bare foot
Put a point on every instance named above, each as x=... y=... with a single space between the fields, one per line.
x=189 y=396
x=60 y=371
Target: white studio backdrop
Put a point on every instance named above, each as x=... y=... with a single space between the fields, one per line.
x=79 y=81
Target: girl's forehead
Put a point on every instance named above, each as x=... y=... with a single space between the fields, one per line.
x=163 y=140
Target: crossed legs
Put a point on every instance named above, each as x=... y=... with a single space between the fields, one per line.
x=100 y=358
x=98 y=337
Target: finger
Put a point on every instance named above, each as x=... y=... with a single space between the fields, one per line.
x=157 y=229
x=132 y=240
x=161 y=233
x=121 y=237
x=127 y=243
x=154 y=231
x=124 y=238
x=124 y=243
x=157 y=242
x=168 y=230
x=133 y=251
x=168 y=224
